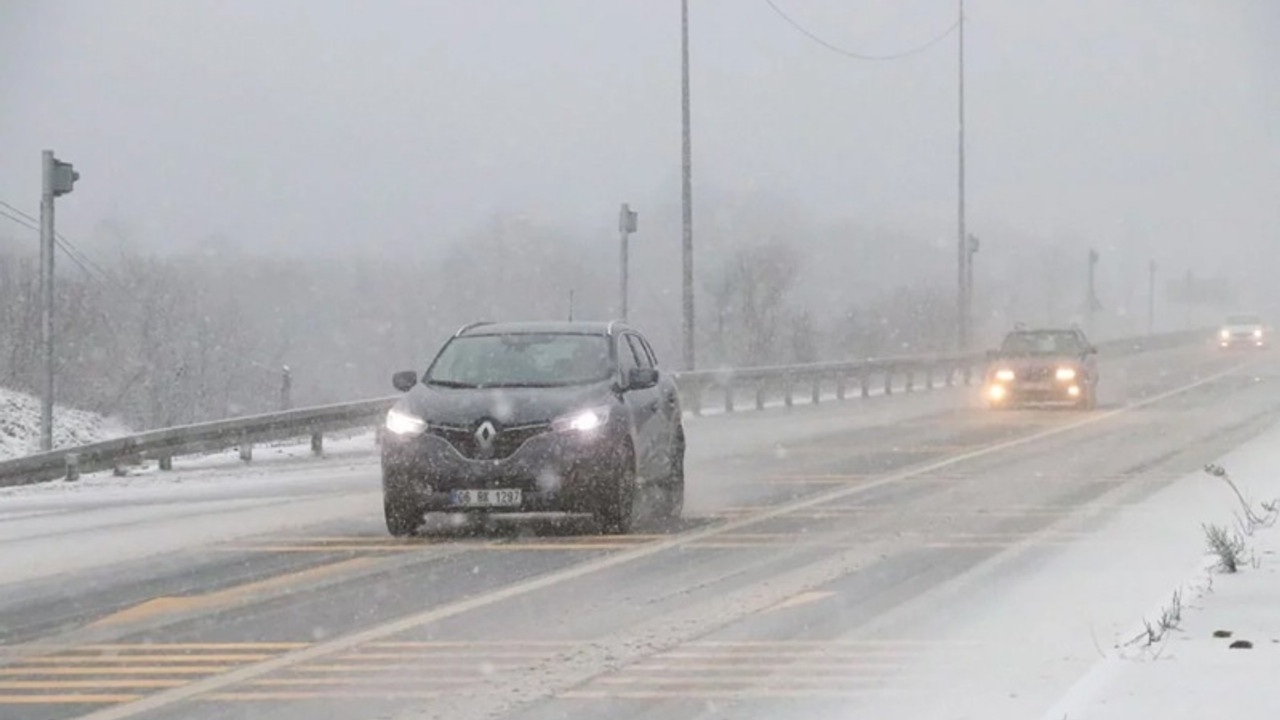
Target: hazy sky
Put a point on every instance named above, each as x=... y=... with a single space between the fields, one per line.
x=1146 y=126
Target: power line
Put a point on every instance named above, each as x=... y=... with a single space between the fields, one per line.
x=857 y=55
x=77 y=256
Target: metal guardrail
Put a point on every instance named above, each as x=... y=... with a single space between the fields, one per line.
x=780 y=381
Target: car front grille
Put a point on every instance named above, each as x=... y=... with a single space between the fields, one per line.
x=504 y=444
x=1038 y=374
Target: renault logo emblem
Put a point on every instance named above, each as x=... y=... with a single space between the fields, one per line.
x=484 y=437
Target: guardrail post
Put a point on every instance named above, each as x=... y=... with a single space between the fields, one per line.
x=864 y=382
x=950 y=379
x=888 y=381
x=760 y=395
x=246 y=451
x=728 y=397
x=911 y=380
x=840 y=387
x=166 y=462
x=817 y=390
x=73 y=467
x=317 y=443
x=968 y=374
x=928 y=377
x=788 y=381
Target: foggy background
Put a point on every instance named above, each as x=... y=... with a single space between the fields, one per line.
x=337 y=186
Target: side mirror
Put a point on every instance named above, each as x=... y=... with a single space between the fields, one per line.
x=642 y=378
x=404 y=380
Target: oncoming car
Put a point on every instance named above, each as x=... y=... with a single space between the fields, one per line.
x=1242 y=331
x=1055 y=366
x=534 y=417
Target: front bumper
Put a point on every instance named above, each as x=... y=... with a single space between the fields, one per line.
x=1056 y=393
x=555 y=471
x=1242 y=341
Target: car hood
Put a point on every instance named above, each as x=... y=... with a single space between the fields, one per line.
x=1233 y=329
x=513 y=406
x=1017 y=362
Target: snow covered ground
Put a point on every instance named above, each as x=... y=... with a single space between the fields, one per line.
x=20 y=425
x=1065 y=635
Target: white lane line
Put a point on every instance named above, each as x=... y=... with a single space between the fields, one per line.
x=386 y=630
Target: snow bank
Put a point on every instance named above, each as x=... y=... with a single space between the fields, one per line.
x=20 y=425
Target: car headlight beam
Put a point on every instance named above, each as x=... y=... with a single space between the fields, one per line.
x=583 y=421
x=1258 y=333
x=404 y=423
x=1005 y=375
x=1225 y=334
x=1065 y=374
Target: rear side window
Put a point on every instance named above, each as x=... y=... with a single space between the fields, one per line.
x=626 y=356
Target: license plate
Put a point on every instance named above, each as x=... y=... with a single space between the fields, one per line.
x=1037 y=386
x=497 y=497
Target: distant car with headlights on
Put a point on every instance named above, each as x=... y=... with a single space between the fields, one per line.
x=535 y=417
x=1242 y=331
x=1043 y=367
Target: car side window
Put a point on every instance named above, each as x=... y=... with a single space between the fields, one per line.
x=626 y=357
x=637 y=347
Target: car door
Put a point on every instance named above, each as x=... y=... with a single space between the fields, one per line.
x=1090 y=360
x=644 y=403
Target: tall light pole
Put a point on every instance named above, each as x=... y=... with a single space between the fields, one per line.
x=1151 y=297
x=57 y=178
x=686 y=187
x=962 y=249
x=626 y=225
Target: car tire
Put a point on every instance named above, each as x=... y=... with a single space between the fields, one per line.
x=1090 y=399
x=673 y=485
x=615 y=512
x=402 y=514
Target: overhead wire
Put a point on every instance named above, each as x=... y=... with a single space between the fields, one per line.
x=859 y=55
x=79 y=257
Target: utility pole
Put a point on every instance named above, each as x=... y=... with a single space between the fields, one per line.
x=686 y=184
x=962 y=323
x=57 y=178
x=1151 y=298
x=626 y=225
x=971 y=249
x=1092 y=299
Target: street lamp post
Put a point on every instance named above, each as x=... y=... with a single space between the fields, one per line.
x=963 y=256
x=686 y=188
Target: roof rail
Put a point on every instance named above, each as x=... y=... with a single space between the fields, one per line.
x=470 y=326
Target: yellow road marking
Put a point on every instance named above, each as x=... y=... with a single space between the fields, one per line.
x=229 y=596
x=474 y=643
x=70 y=699
x=402 y=680
x=161 y=670
x=283 y=696
x=832 y=667
x=121 y=659
x=215 y=685
x=195 y=646
x=140 y=683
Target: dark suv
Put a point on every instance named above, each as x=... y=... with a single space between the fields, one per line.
x=534 y=417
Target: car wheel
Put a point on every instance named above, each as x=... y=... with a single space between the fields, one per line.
x=673 y=484
x=616 y=509
x=1090 y=399
x=402 y=514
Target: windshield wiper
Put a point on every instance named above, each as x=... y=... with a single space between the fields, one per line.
x=450 y=383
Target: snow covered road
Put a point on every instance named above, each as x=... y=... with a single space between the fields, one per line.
x=905 y=557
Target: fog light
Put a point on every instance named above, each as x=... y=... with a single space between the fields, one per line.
x=997 y=393
x=1074 y=391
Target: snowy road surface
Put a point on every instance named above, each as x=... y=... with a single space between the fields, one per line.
x=896 y=557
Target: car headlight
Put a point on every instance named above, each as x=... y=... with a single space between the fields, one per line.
x=1065 y=373
x=403 y=423
x=1005 y=375
x=1225 y=334
x=583 y=421
x=1258 y=333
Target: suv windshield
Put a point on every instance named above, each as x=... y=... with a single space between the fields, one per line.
x=1243 y=320
x=1042 y=343
x=522 y=360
